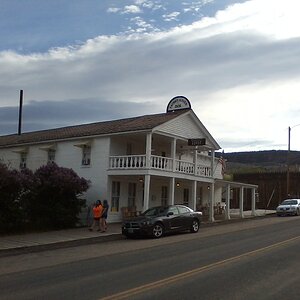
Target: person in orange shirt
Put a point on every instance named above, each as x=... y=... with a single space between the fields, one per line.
x=97 y=213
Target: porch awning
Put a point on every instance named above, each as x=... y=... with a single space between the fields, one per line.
x=20 y=150
x=83 y=144
x=236 y=184
x=48 y=147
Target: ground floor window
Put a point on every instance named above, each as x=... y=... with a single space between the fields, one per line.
x=164 y=195
x=131 y=194
x=115 y=196
x=186 y=197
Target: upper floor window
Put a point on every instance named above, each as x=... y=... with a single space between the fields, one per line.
x=86 y=155
x=23 y=159
x=51 y=155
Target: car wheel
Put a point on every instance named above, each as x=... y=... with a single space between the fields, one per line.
x=298 y=212
x=195 y=226
x=158 y=230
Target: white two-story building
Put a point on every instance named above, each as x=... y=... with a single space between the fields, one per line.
x=135 y=163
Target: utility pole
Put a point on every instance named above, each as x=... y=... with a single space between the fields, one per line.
x=288 y=163
x=20 y=113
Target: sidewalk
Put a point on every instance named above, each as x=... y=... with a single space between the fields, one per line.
x=33 y=242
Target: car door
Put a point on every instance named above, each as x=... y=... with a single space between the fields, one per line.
x=185 y=217
x=173 y=218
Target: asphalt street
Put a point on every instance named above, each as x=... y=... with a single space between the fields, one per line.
x=255 y=259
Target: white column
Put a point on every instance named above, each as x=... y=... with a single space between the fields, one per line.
x=227 y=209
x=171 y=190
x=194 y=194
x=253 y=201
x=241 y=202
x=108 y=192
x=211 y=202
x=148 y=149
x=212 y=163
x=173 y=153
x=195 y=161
x=146 y=192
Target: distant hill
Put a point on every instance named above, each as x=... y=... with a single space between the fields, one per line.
x=273 y=160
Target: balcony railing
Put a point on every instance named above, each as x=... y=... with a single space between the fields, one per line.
x=137 y=162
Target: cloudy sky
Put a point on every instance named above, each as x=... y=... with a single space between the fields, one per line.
x=81 y=61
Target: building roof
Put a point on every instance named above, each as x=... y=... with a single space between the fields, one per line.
x=140 y=123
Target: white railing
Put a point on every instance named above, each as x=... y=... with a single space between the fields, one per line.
x=127 y=162
x=203 y=171
x=161 y=163
x=185 y=167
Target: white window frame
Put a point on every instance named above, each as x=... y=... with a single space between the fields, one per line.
x=23 y=160
x=86 y=155
x=51 y=155
x=115 y=199
x=131 y=194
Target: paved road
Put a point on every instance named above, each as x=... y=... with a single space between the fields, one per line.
x=254 y=259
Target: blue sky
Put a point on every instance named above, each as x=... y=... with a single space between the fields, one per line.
x=86 y=61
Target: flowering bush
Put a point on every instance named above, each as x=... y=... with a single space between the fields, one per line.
x=11 y=214
x=54 y=200
x=49 y=198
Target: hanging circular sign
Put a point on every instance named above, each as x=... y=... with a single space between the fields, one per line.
x=178 y=103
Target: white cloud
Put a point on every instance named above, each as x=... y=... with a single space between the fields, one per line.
x=131 y=9
x=141 y=25
x=240 y=70
x=172 y=16
x=113 y=10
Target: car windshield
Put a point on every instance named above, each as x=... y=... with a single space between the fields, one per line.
x=154 y=211
x=289 y=202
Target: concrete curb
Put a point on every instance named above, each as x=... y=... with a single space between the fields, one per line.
x=60 y=244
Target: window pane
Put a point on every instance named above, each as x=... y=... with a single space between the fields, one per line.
x=115 y=196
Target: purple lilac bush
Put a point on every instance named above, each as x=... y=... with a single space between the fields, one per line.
x=49 y=198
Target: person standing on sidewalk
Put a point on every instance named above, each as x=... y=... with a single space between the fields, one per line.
x=97 y=213
x=103 y=218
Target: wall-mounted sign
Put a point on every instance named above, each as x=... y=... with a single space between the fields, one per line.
x=197 y=142
x=177 y=103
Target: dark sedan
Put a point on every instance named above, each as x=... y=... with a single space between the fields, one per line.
x=159 y=220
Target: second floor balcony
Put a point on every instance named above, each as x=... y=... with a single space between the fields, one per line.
x=139 y=162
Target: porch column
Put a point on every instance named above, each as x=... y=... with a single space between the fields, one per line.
x=212 y=163
x=146 y=192
x=253 y=201
x=242 y=202
x=195 y=161
x=211 y=202
x=194 y=194
x=227 y=208
x=173 y=153
x=171 y=190
x=148 y=149
x=108 y=192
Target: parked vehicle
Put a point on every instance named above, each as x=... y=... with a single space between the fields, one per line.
x=159 y=220
x=289 y=207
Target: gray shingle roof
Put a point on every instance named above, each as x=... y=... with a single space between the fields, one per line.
x=140 y=123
